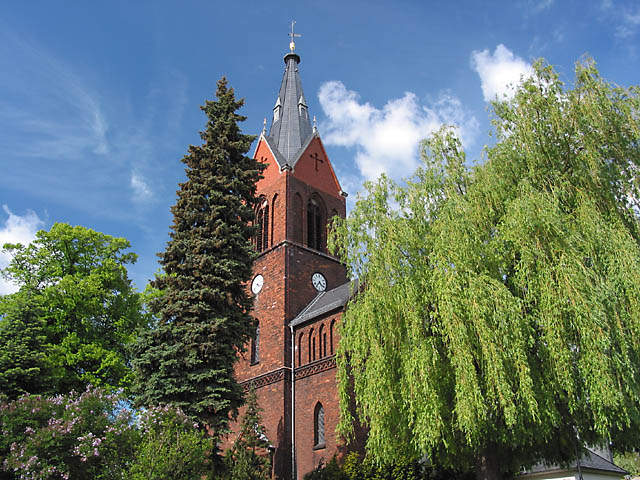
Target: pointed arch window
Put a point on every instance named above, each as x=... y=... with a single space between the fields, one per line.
x=312 y=344
x=300 y=339
x=315 y=224
x=297 y=218
x=262 y=222
x=318 y=426
x=331 y=327
x=255 y=346
x=274 y=207
x=322 y=340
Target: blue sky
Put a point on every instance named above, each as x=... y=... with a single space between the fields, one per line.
x=99 y=101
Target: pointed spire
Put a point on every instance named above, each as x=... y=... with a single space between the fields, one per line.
x=291 y=125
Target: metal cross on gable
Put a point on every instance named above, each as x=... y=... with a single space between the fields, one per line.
x=317 y=159
x=292 y=45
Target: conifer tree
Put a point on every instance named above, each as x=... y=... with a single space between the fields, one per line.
x=248 y=459
x=203 y=315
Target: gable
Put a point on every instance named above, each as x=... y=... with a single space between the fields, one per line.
x=265 y=155
x=313 y=167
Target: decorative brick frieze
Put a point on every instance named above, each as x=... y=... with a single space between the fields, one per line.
x=318 y=366
x=266 y=379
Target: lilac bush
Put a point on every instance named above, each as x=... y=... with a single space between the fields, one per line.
x=75 y=436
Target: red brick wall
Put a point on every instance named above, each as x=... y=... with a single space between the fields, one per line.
x=316 y=382
x=320 y=387
x=319 y=175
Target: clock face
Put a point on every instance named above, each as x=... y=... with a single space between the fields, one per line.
x=319 y=282
x=256 y=284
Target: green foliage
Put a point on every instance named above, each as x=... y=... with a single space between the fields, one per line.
x=500 y=307
x=74 y=316
x=71 y=436
x=355 y=468
x=203 y=313
x=172 y=447
x=94 y=435
x=630 y=462
x=333 y=471
x=249 y=458
x=24 y=364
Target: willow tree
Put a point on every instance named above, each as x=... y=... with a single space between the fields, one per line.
x=500 y=307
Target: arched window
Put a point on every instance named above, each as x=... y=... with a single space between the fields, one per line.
x=300 y=338
x=310 y=344
x=262 y=222
x=322 y=340
x=318 y=426
x=274 y=202
x=297 y=218
x=255 y=346
x=313 y=354
x=316 y=227
x=331 y=327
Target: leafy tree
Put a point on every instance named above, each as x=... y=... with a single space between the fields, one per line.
x=630 y=462
x=171 y=447
x=248 y=459
x=357 y=468
x=74 y=316
x=203 y=313
x=500 y=304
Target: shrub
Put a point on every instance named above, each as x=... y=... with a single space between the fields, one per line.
x=172 y=447
x=74 y=436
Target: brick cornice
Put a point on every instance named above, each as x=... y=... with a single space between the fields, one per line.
x=265 y=379
x=300 y=246
x=313 y=368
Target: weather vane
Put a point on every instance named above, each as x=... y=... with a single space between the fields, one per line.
x=292 y=45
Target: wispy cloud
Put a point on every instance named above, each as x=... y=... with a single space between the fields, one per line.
x=16 y=229
x=63 y=137
x=628 y=24
x=624 y=19
x=387 y=139
x=141 y=190
x=499 y=72
x=46 y=97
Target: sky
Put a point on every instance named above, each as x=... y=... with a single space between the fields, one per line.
x=99 y=101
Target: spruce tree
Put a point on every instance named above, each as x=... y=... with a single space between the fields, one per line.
x=203 y=315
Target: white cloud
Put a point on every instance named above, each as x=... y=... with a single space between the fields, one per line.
x=141 y=190
x=499 y=72
x=16 y=229
x=387 y=139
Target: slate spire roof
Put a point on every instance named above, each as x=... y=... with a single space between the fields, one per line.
x=291 y=127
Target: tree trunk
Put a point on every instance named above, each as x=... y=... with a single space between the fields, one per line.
x=488 y=463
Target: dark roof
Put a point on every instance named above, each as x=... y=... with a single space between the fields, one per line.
x=292 y=129
x=589 y=460
x=325 y=302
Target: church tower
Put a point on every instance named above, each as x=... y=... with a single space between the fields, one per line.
x=299 y=288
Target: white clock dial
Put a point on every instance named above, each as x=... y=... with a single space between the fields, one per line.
x=257 y=283
x=319 y=282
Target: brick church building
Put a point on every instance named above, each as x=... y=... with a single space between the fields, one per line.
x=300 y=289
